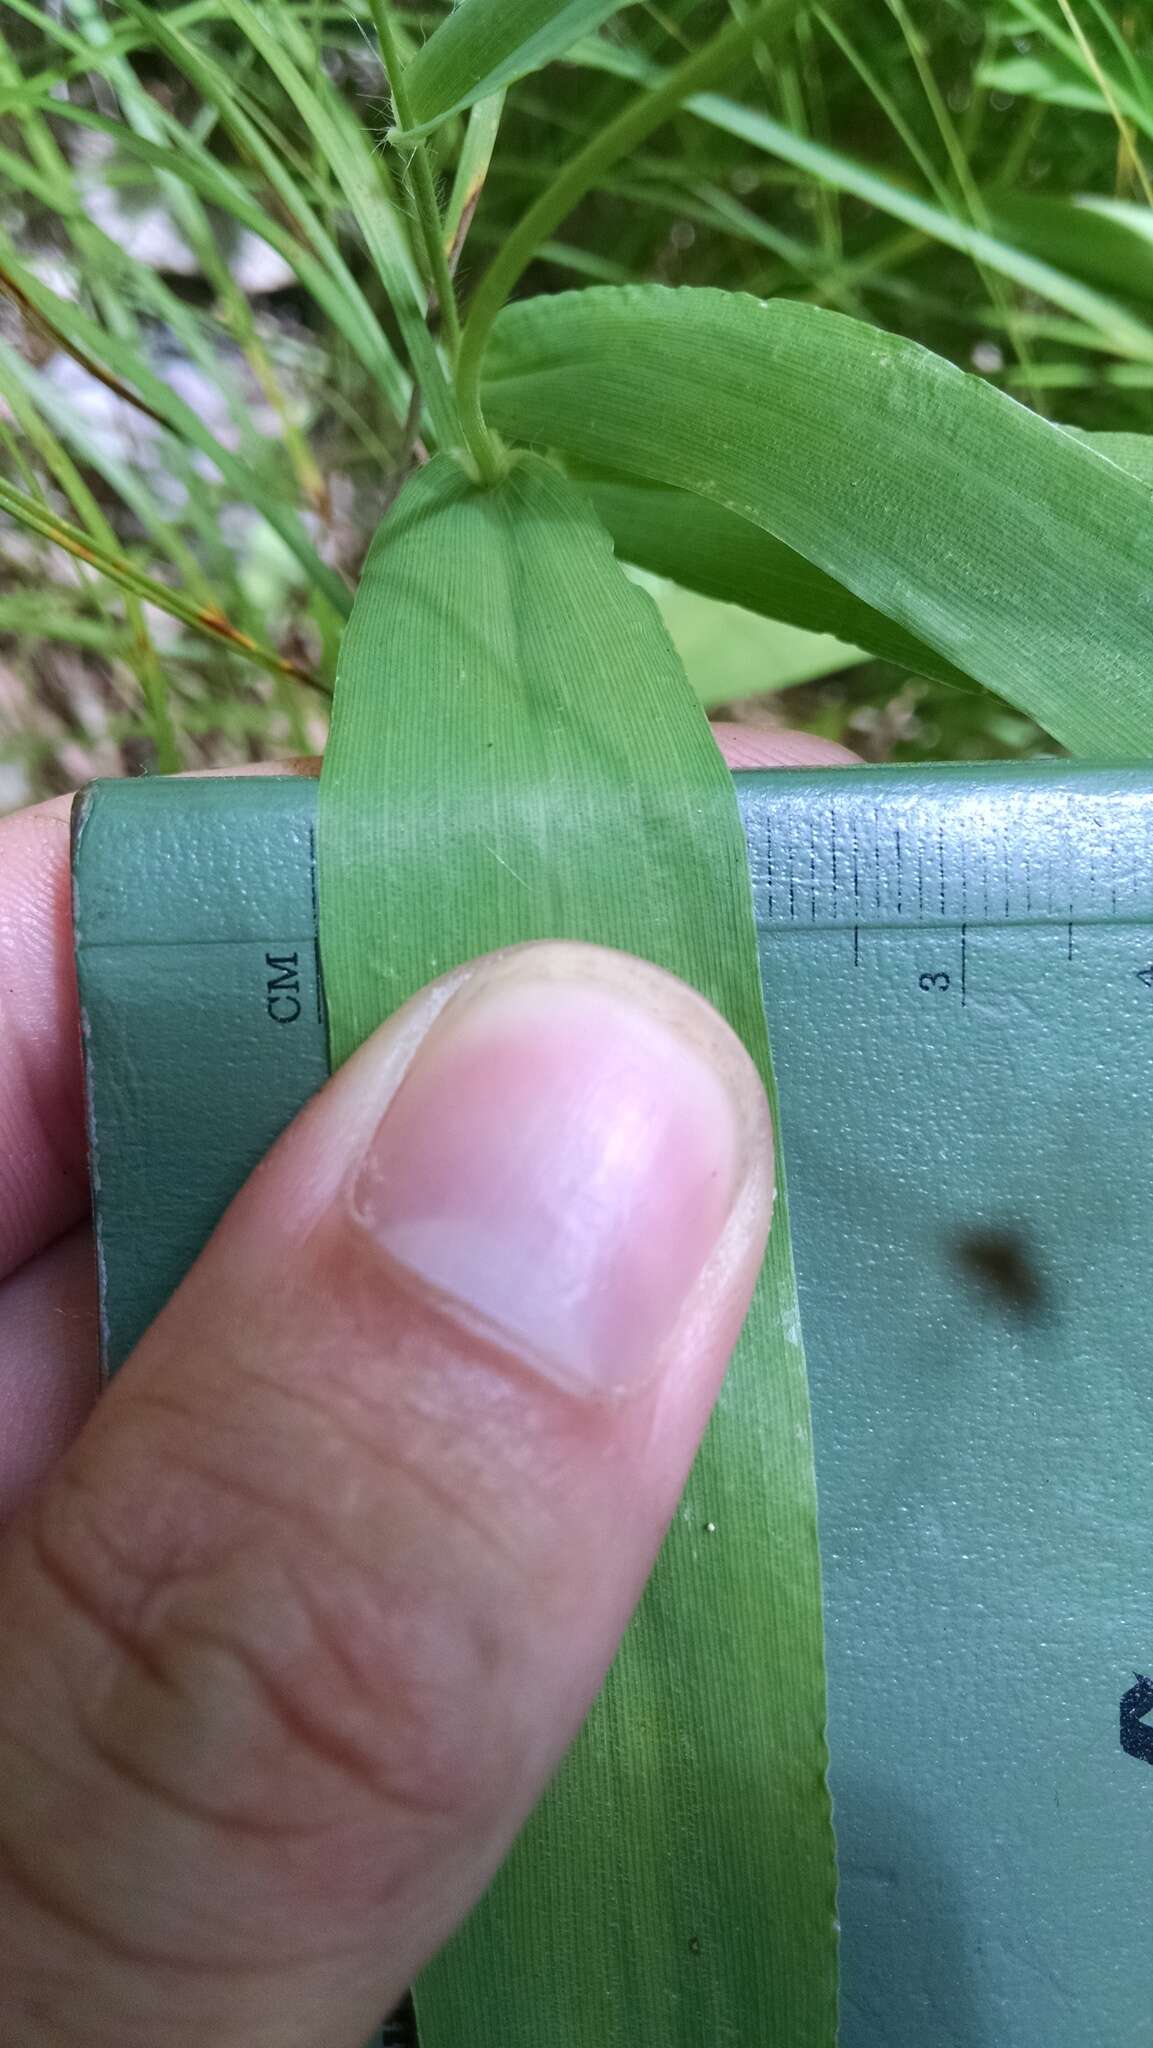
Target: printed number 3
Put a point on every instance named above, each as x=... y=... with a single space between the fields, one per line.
x=938 y=981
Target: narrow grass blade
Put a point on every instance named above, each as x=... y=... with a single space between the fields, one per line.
x=1108 y=242
x=49 y=614
x=131 y=487
x=130 y=367
x=142 y=116
x=1060 y=78
x=39 y=518
x=1118 y=329
x=367 y=185
x=140 y=653
x=327 y=283
x=342 y=298
x=471 y=171
x=485 y=45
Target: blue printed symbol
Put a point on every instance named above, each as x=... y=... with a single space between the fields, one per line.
x=1136 y=1733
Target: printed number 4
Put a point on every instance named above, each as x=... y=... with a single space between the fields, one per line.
x=1145 y=974
x=941 y=982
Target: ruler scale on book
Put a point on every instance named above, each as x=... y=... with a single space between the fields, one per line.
x=958 y=976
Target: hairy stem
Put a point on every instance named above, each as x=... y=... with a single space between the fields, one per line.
x=419 y=178
x=705 y=68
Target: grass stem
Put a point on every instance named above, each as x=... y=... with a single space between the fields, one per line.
x=705 y=68
x=421 y=184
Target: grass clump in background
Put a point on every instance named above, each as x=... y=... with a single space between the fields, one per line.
x=206 y=363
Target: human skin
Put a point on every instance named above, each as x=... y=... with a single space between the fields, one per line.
x=297 y=1623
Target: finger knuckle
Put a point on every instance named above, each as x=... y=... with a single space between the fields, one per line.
x=275 y=1683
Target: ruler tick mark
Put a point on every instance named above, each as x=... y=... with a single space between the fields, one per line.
x=964 y=960
x=1103 y=839
x=856 y=945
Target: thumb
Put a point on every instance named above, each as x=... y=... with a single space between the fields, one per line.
x=308 y=1615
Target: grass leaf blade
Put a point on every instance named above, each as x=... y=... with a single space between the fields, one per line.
x=928 y=494
x=485 y=45
x=687 y=1874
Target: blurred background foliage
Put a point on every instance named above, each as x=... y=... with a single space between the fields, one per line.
x=197 y=440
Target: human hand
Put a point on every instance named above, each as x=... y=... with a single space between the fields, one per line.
x=297 y=1629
